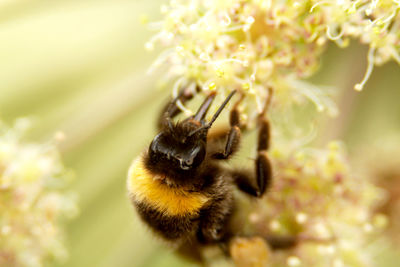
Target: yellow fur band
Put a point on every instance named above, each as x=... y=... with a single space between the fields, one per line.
x=146 y=188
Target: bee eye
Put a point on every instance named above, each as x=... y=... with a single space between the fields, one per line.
x=156 y=147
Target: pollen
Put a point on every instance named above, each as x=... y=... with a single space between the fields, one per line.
x=246 y=86
x=212 y=86
x=219 y=71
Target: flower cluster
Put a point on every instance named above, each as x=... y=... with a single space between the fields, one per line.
x=316 y=199
x=256 y=44
x=380 y=164
x=32 y=201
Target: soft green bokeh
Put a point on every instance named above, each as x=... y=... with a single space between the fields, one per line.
x=80 y=67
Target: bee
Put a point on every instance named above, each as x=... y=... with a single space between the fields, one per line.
x=178 y=185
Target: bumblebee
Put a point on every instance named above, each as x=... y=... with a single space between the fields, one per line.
x=178 y=185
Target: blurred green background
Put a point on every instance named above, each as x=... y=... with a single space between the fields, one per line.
x=79 y=67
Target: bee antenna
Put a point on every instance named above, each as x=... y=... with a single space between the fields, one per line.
x=268 y=101
x=215 y=116
x=221 y=108
x=202 y=112
x=172 y=105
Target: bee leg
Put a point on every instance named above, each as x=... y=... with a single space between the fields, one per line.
x=257 y=186
x=233 y=136
x=171 y=109
x=232 y=144
x=263 y=168
x=281 y=242
x=212 y=227
x=244 y=180
x=263 y=164
x=214 y=219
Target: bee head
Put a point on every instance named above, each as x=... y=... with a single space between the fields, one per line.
x=183 y=145
x=184 y=154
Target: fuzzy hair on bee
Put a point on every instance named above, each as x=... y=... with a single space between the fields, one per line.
x=178 y=185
